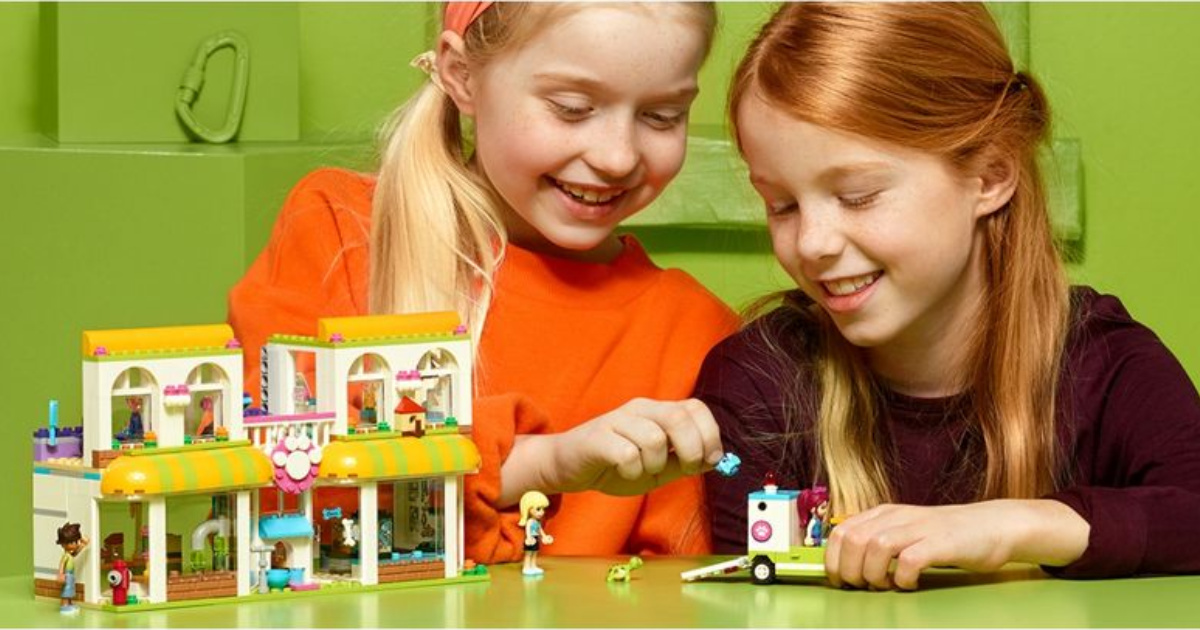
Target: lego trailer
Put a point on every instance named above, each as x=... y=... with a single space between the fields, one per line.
x=780 y=540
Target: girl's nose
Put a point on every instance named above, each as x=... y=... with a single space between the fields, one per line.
x=820 y=236
x=614 y=150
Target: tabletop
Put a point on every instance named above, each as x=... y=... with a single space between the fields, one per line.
x=573 y=593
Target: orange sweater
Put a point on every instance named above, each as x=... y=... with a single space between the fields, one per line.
x=564 y=342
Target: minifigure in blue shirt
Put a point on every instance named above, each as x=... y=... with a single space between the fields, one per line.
x=533 y=509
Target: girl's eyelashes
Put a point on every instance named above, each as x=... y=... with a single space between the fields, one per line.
x=781 y=209
x=569 y=111
x=658 y=119
x=665 y=119
x=850 y=202
x=858 y=202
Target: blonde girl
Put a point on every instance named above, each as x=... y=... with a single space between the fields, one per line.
x=500 y=187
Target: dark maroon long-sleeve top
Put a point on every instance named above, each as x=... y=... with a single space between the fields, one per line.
x=1128 y=423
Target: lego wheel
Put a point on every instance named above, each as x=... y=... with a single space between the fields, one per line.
x=762 y=570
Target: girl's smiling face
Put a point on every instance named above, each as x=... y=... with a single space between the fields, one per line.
x=882 y=237
x=585 y=124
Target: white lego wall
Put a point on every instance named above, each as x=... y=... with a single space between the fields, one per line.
x=99 y=378
x=781 y=514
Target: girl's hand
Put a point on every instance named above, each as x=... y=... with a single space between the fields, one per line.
x=977 y=536
x=547 y=539
x=635 y=448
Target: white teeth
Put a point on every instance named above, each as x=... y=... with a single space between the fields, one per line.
x=588 y=196
x=847 y=286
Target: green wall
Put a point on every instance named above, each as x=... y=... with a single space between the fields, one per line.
x=1122 y=78
x=126 y=233
x=18 y=69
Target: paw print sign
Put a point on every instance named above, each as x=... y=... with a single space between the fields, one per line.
x=296 y=460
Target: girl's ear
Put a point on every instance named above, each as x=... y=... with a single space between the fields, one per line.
x=997 y=182
x=455 y=73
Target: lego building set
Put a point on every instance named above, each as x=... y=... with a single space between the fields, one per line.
x=188 y=494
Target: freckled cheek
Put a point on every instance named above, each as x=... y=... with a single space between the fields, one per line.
x=513 y=139
x=664 y=159
x=783 y=242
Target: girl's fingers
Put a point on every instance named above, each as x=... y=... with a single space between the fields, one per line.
x=911 y=561
x=846 y=552
x=833 y=563
x=710 y=432
x=685 y=439
x=692 y=432
x=884 y=546
x=648 y=439
x=620 y=453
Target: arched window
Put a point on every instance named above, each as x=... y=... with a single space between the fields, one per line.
x=367 y=390
x=439 y=371
x=208 y=385
x=132 y=408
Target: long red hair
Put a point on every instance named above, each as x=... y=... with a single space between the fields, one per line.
x=935 y=77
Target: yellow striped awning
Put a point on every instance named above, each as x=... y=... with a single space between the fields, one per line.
x=181 y=472
x=390 y=458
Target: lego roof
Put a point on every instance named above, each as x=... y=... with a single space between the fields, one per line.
x=778 y=495
x=181 y=471
x=213 y=337
x=396 y=457
x=387 y=326
x=408 y=405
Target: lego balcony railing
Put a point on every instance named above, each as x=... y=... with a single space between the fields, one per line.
x=267 y=431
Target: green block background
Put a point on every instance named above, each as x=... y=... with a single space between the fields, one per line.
x=110 y=71
x=118 y=235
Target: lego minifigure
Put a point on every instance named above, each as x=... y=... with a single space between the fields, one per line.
x=814 y=506
x=205 y=427
x=533 y=509
x=72 y=542
x=134 y=430
x=369 y=413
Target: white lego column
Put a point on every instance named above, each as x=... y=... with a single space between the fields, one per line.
x=91 y=555
x=388 y=398
x=452 y=520
x=231 y=397
x=302 y=551
x=157 y=522
x=368 y=528
x=332 y=374
x=245 y=535
x=97 y=412
x=461 y=384
x=281 y=374
x=170 y=425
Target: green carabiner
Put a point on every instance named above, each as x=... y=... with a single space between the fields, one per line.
x=193 y=82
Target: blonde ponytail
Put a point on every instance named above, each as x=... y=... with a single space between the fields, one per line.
x=435 y=238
